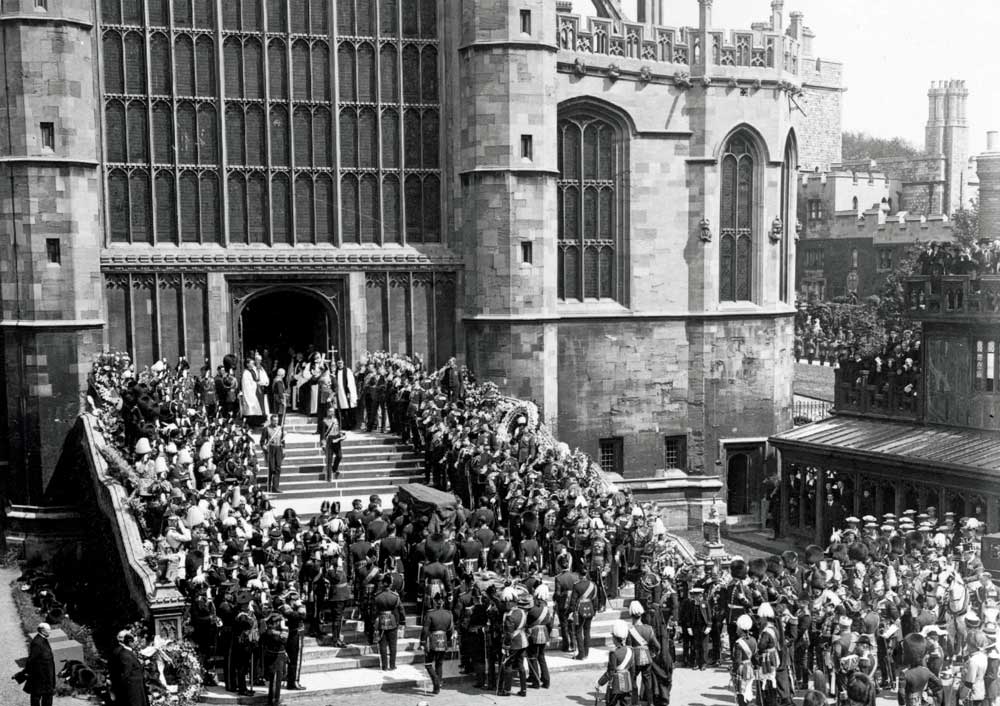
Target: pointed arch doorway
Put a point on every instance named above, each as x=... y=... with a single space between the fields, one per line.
x=285 y=318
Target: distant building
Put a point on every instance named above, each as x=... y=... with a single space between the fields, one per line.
x=860 y=218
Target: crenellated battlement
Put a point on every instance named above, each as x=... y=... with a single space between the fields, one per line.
x=681 y=46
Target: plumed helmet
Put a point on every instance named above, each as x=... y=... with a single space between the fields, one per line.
x=765 y=611
x=838 y=551
x=738 y=568
x=619 y=629
x=142 y=447
x=635 y=609
x=757 y=568
x=858 y=552
x=744 y=622
x=814 y=554
x=161 y=464
x=913 y=650
x=790 y=559
x=205 y=451
x=542 y=592
x=184 y=457
x=508 y=594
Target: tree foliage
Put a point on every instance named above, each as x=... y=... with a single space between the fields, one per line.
x=860 y=146
x=965 y=224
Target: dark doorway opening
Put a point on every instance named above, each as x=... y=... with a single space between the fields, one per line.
x=283 y=322
x=744 y=481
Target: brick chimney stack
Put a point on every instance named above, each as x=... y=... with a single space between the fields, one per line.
x=777 y=15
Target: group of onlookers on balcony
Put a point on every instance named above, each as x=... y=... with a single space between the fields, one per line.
x=977 y=258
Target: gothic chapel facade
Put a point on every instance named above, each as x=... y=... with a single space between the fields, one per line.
x=595 y=211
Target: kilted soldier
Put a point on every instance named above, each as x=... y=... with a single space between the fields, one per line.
x=642 y=639
x=735 y=598
x=470 y=553
x=620 y=674
x=515 y=640
x=539 y=627
x=582 y=611
x=434 y=579
x=437 y=634
x=744 y=651
x=295 y=616
x=564 y=582
x=389 y=616
x=272 y=643
x=272 y=441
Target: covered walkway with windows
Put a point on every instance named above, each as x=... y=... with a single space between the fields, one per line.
x=845 y=466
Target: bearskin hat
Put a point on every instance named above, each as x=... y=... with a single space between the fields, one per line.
x=914 y=540
x=774 y=564
x=738 y=568
x=757 y=568
x=818 y=579
x=896 y=544
x=791 y=559
x=838 y=551
x=861 y=690
x=814 y=555
x=858 y=552
x=913 y=649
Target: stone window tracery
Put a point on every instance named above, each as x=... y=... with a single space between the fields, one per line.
x=592 y=202
x=736 y=242
x=228 y=129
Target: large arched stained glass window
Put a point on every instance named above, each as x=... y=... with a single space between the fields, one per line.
x=736 y=244
x=592 y=199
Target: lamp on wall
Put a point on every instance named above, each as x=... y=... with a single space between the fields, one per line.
x=777 y=228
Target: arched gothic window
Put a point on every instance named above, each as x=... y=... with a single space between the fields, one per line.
x=592 y=208
x=736 y=243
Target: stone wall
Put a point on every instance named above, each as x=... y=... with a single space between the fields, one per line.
x=820 y=142
x=709 y=379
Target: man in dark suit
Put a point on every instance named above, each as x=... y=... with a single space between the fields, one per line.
x=696 y=624
x=127 y=676
x=39 y=673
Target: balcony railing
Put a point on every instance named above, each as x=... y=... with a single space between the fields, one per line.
x=878 y=395
x=968 y=296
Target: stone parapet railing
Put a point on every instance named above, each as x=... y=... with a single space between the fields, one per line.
x=159 y=601
x=968 y=297
x=680 y=46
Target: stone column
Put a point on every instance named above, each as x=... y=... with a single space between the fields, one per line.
x=900 y=493
x=820 y=507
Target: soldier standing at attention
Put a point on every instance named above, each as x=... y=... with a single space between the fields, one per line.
x=620 y=674
x=332 y=436
x=565 y=580
x=389 y=616
x=272 y=440
x=295 y=617
x=272 y=644
x=438 y=632
x=581 y=607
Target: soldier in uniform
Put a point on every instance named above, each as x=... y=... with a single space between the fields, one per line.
x=620 y=673
x=598 y=557
x=317 y=595
x=437 y=634
x=642 y=639
x=339 y=597
x=582 y=610
x=295 y=617
x=565 y=580
x=539 y=627
x=272 y=642
x=744 y=654
x=434 y=579
x=515 y=640
x=500 y=552
x=245 y=639
x=389 y=616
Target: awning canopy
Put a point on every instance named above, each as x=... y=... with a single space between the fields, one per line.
x=893 y=446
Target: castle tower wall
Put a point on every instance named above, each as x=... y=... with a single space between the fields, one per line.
x=507 y=166
x=50 y=225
